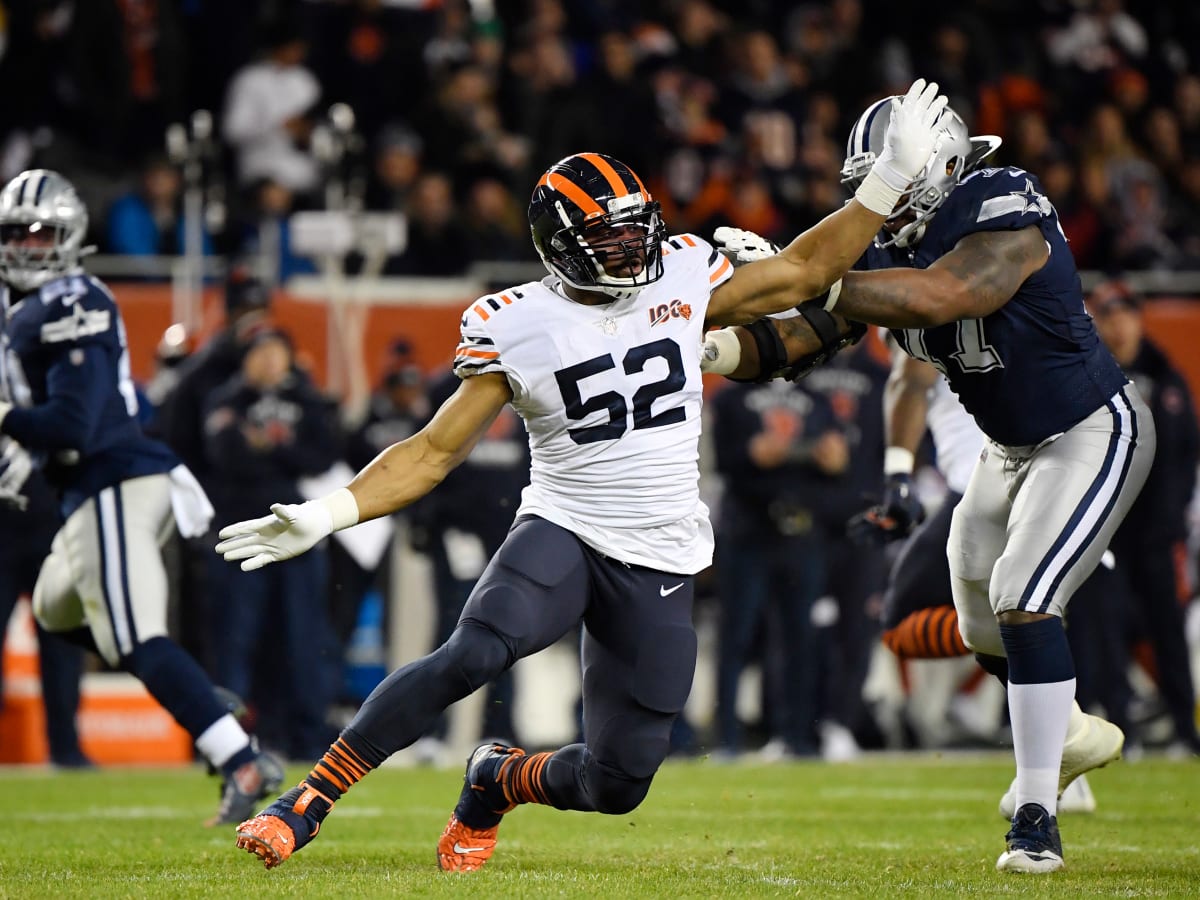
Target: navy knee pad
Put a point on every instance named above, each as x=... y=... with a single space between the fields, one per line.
x=612 y=791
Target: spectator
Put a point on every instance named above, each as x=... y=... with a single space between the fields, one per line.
x=1144 y=546
x=395 y=169
x=264 y=430
x=25 y=536
x=853 y=384
x=775 y=443
x=147 y=221
x=437 y=241
x=267 y=232
x=268 y=111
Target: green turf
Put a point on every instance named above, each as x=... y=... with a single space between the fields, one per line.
x=918 y=826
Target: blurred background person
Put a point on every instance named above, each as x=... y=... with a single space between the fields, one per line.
x=28 y=522
x=1142 y=599
x=776 y=443
x=265 y=429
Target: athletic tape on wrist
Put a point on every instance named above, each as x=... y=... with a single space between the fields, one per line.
x=898 y=461
x=876 y=194
x=343 y=508
x=722 y=352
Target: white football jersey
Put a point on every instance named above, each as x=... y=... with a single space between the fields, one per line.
x=611 y=398
x=956 y=437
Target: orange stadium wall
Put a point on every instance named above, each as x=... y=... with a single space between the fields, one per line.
x=1173 y=322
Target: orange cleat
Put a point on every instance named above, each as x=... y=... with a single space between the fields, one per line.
x=285 y=826
x=462 y=848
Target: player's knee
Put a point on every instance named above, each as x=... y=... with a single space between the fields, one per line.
x=477 y=653
x=981 y=633
x=615 y=792
x=55 y=605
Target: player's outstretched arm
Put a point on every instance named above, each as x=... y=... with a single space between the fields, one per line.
x=816 y=259
x=976 y=278
x=400 y=475
x=788 y=345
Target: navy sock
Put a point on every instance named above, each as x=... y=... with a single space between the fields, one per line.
x=1038 y=652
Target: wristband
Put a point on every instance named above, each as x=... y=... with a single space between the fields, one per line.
x=721 y=353
x=342 y=507
x=877 y=192
x=831 y=296
x=898 y=461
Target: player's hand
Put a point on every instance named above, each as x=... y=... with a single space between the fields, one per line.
x=895 y=517
x=16 y=465
x=911 y=133
x=291 y=529
x=741 y=246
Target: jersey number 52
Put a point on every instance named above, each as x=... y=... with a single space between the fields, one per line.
x=634 y=361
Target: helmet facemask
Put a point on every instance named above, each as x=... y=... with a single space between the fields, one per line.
x=618 y=253
x=42 y=226
x=955 y=154
x=596 y=226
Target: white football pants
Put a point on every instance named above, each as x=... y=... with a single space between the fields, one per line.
x=105 y=569
x=1035 y=521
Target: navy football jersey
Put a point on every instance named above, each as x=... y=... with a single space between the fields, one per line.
x=1034 y=367
x=66 y=366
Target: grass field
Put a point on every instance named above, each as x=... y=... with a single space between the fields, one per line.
x=919 y=826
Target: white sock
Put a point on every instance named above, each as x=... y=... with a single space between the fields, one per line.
x=222 y=740
x=1040 y=714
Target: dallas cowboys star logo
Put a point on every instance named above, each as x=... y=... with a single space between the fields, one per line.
x=1034 y=202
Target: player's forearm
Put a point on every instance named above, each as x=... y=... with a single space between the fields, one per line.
x=904 y=406
x=827 y=250
x=399 y=476
x=901 y=298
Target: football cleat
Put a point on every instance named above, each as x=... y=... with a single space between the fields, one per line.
x=1093 y=745
x=248 y=784
x=285 y=826
x=470 y=836
x=1034 y=845
x=1078 y=797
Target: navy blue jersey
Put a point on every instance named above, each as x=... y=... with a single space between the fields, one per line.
x=1034 y=367
x=67 y=368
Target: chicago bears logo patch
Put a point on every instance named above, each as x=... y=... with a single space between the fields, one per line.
x=676 y=309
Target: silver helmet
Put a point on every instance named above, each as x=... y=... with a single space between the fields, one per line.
x=42 y=226
x=955 y=154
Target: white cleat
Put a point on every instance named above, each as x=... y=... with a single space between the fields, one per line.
x=1092 y=743
x=1078 y=797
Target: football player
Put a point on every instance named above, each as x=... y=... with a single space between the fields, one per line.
x=973 y=274
x=602 y=360
x=104 y=583
x=919 y=618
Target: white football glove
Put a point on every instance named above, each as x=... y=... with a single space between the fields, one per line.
x=291 y=529
x=911 y=134
x=741 y=246
x=16 y=465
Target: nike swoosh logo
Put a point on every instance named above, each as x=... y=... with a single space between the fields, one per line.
x=459 y=848
x=664 y=591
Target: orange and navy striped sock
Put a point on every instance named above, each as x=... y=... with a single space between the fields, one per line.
x=930 y=633
x=342 y=767
x=521 y=779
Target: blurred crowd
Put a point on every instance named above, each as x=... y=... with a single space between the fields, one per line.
x=735 y=110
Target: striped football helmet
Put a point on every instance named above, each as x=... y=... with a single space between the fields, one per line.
x=955 y=154
x=42 y=226
x=596 y=226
